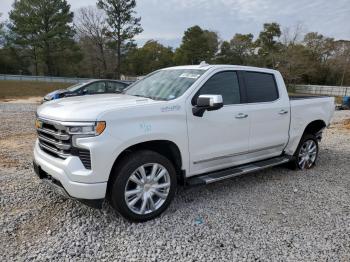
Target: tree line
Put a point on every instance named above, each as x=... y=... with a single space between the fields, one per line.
x=44 y=37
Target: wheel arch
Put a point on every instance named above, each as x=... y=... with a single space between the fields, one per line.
x=166 y=148
x=315 y=128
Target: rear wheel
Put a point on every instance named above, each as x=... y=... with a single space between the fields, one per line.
x=307 y=152
x=144 y=186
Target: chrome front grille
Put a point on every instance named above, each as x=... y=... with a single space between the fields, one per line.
x=54 y=138
x=56 y=141
x=52 y=133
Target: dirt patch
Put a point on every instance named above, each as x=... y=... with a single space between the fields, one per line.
x=15 y=149
x=8 y=162
x=32 y=230
x=26 y=100
x=346 y=124
x=343 y=124
x=16 y=139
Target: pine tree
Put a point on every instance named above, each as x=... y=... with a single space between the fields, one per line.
x=123 y=25
x=44 y=28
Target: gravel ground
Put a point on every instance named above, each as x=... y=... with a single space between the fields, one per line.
x=273 y=215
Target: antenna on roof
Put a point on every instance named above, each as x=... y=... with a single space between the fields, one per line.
x=203 y=64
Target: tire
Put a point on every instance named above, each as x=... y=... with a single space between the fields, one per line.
x=144 y=186
x=305 y=156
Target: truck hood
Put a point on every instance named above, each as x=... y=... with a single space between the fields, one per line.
x=88 y=108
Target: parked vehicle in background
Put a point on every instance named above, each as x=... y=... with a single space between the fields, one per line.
x=191 y=125
x=345 y=103
x=89 y=88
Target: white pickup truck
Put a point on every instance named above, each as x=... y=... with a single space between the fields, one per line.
x=187 y=125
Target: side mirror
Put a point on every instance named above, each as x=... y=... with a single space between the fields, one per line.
x=207 y=102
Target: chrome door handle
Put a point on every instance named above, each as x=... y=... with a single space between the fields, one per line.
x=241 y=115
x=283 y=112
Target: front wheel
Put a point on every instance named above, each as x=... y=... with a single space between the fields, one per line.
x=144 y=186
x=307 y=152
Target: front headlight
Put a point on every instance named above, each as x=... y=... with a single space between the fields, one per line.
x=90 y=128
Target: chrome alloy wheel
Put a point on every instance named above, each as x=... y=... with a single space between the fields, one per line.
x=307 y=154
x=147 y=188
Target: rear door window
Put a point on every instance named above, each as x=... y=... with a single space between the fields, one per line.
x=260 y=87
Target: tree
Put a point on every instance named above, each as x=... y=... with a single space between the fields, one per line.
x=225 y=55
x=292 y=35
x=152 y=56
x=268 y=43
x=197 y=45
x=212 y=41
x=242 y=47
x=293 y=58
x=294 y=63
x=123 y=25
x=44 y=28
x=342 y=62
x=2 y=32
x=321 y=47
x=320 y=50
x=12 y=61
x=238 y=51
x=92 y=26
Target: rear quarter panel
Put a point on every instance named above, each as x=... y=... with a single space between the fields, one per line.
x=305 y=111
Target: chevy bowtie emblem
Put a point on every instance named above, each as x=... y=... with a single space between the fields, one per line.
x=38 y=124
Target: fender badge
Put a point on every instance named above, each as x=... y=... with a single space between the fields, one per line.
x=170 y=108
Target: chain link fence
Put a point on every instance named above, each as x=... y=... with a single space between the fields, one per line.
x=43 y=78
x=58 y=79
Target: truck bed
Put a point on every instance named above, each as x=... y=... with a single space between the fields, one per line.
x=305 y=97
x=304 y=110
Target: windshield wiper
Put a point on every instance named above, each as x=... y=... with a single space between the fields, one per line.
x=151 y=97
x=157 y=98
x=140 y=96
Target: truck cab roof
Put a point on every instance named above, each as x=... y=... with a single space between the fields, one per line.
x=233 y=67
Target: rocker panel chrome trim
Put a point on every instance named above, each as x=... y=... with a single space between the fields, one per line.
x=237 y=154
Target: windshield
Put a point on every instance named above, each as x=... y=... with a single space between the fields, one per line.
x=165 y=84
x=75 y=87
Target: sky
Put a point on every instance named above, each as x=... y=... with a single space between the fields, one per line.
x=166 y=20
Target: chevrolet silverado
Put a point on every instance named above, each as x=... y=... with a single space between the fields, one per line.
x=187 y=125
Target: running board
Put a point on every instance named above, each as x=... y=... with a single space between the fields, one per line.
x=236 y=171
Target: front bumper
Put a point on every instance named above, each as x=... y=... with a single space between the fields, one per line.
x=60 y=172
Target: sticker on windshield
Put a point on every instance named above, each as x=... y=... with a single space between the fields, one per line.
x=189 y=75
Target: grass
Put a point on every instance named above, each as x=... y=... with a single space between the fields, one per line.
x=10 y=89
